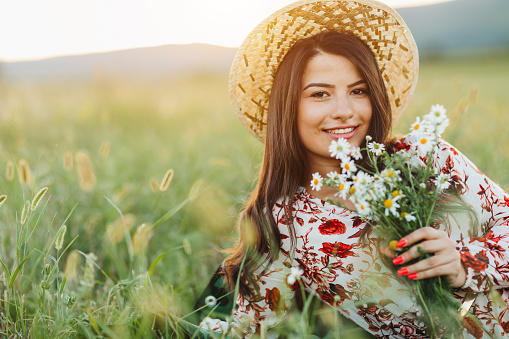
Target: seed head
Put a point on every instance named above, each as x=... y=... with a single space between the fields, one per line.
x=68 y=161
x=9 y=171
x=104 y=150
x=166 y=180
x=24 y=172
x=59 y=242
x=24 y=212
x=141 y=238
x=154 y=185
x=85 y=169
x=38 y=197
x=3 y=197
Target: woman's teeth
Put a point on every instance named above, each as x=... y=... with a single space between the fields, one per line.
x=341 y=130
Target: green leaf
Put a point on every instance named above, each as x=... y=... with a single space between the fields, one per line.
x=158 y=259
x=6 y=270
x=11 y=282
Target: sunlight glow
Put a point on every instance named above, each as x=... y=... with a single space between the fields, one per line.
x=33 y=29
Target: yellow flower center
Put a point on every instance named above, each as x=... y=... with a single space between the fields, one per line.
x=424 y=140
x=347 y=167
x=362 y=207
x=404 y=214
x=316 y=181
x=388 y=203
x=416 y=127
x=352 y=190
x=395 y=194
x=341 y=187
x=391 y=173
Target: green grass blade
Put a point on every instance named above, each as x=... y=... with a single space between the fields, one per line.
x=11 y=282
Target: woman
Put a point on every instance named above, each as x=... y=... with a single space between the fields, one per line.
x=345 y=69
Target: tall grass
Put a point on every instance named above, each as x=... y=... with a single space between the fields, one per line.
x=139 y=246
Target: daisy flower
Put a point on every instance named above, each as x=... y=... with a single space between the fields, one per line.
x=425 y=143
x=419 y=126
x=333 y=175
x=391 y=205
x=339 y=148
x=408 y=216
x=443 y=181
x=362 y=207
x=348 y=166
x=355 y=153
x=317 y=182
x=376 y=148
x=343 y=188
x=294 y=275
x=437 y=113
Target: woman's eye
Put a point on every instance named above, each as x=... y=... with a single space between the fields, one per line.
x=360 y=91
x=320 y=94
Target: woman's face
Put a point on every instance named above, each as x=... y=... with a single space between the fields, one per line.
x=334 y=104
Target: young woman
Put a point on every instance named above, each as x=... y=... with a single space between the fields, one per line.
x=311 y=73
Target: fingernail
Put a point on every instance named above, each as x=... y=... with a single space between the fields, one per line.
x=401 y=243
x=412 y=276
x=397 y=260
x=403 y=271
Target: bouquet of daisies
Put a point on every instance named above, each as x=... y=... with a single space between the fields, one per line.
x=399 y=193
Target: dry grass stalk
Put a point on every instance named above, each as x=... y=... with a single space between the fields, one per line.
x=141 y=238
x=154 y=185
x=68 y=161
x=104 y=149
x=115 y=231
x=72 y=264
x=85 y=170
x=165 y=183
x=9 y=171
x=24 y=172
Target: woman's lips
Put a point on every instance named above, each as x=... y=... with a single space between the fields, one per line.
x=345 y=133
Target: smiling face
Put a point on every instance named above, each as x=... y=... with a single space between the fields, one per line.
x=334 y=103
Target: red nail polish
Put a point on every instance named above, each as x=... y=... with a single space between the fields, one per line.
x=412 y=276
x=401 y=243
x=403 y=271
x=397 y=260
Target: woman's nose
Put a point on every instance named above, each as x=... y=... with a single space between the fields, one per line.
x=342 y=108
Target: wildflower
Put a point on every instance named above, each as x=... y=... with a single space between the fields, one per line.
x=294 y=275
x=437 y=113
x=362 y=207
x=391 y=206
x=343 y=189
x=317 y=182
x=59 y=242
x=333 y=175
x=339 y=148
x=408 y=217
x=348 y=166
x=356 y=153
x=376 y=148
x=368 y=138
x=420 y=126
x=9 y=171
x=166 y=180
x=38 y=197
x=3 y=197
x=210 y=301
x=443 y=181
x=425 y=143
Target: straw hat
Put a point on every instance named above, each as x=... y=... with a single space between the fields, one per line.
x=376 y=24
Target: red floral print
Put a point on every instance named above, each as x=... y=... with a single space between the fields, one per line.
x=332 y=226
x=337 y=249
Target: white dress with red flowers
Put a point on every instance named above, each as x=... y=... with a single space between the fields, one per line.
x=350 y=277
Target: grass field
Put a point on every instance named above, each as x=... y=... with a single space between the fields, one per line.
x=135 y=254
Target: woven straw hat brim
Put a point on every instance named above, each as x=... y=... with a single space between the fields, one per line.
x=380 y=27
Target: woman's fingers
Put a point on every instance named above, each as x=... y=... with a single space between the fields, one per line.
x=444 y=261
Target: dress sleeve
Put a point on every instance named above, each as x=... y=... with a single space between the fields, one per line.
x=265 y=309
x=484 y=248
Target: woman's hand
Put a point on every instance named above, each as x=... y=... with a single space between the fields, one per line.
x=445 y=261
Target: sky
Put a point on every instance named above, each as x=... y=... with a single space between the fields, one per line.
x=37 y=29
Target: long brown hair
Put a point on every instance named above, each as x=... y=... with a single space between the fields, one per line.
x=285 y=165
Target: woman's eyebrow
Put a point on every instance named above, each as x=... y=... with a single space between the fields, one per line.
x=318 y=84
x=362 y=81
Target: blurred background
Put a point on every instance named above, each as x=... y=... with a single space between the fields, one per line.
x=122 y=110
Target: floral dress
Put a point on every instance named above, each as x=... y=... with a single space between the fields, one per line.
x=348 y=275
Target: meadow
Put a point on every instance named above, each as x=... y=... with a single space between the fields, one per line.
x=145 y=180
